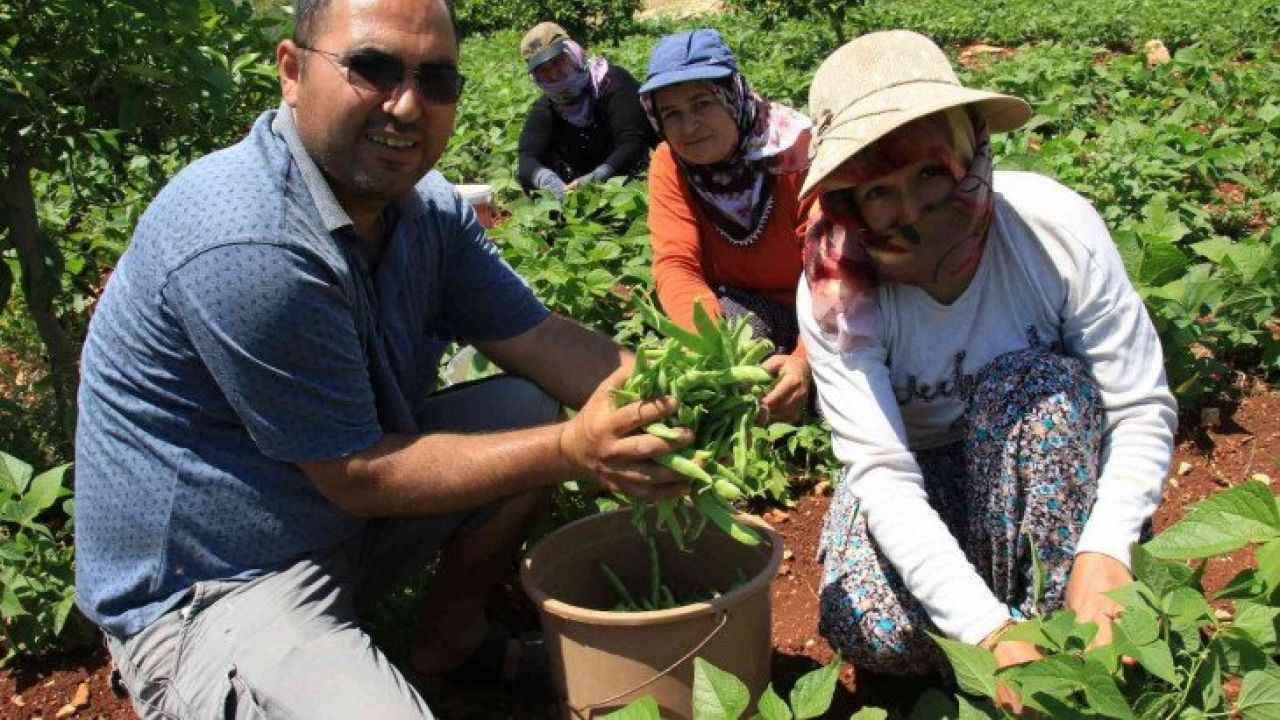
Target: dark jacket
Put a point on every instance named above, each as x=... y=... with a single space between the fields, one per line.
x=619 y=135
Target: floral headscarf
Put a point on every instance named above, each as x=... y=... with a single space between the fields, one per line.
x=838 y=249
x=575 y=96
x=737 y=193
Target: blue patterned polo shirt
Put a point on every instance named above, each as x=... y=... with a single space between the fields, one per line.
x=241 y=334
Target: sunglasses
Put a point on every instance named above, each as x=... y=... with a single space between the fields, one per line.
x=379 y=72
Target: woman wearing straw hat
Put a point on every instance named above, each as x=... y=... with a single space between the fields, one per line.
x=993 y=382
x=723 y=201
x=587 y=125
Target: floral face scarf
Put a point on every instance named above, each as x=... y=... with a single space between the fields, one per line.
x=736 y=193
x=845 y=260
x=574 y=96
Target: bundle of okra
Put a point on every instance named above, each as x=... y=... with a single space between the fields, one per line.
x=717 y=381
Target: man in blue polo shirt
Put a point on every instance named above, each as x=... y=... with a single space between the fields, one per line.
x=259 y=446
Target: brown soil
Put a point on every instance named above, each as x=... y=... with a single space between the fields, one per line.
x=1208 y=459
x=679 y=8
x=979 y=56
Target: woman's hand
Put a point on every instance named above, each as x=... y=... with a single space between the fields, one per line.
x=786 y=401
x=1012 y=652
x=1007 y=653
x=1092 y=575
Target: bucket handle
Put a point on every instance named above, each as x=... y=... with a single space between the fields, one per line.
x=584 y=713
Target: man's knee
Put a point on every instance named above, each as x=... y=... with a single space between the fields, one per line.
x=528 y=404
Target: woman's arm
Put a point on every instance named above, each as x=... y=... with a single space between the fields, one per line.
x=1105 y=324
x=535 y=139
x=677 y=250
x=869 y=437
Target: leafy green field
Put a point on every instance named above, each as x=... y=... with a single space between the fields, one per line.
x=1180 y=158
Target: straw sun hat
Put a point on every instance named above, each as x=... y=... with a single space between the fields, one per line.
x=881 y=81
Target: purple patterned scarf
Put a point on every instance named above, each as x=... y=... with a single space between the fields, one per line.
x=574 y=97
x=736 y=193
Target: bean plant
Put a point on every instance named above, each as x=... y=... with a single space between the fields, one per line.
x=37 y=584
x=1171 y=656
x=715 y=377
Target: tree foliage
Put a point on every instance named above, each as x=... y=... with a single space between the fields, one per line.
x=99 y=101
x=584 y=19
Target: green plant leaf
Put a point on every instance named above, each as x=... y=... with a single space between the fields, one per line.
x=1057 y=674
x=870 y=713
x=10 y=604
x=1032 y=632
x=970 y=711
x=61 y=611
x=772 y=707
x=1161 y=576
x=1158 y=660
x=1239 y=654
x=975 y=667
x=43 y=492
x=1257 y=623
x=1186 y=608
x=1140 y=625
x=1037 y=573
x=1268 y=558
x=1060 y=627
x=1102 y=693
x=811 y=696
x=932 y=705
x=717 y=695
x=646 y=708
x=1259 y=697
x=14 y=473
x=1223 y=522
x=1135 y=595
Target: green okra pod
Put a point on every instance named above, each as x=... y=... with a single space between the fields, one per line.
x=757 y=351
x=663 y=431
x=727 y=490
x=655 y=573
x=618 y=588
x=750 y=374
x=684 y=466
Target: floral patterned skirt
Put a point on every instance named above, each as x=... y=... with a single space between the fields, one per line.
x=1027 y=466
x=767 y=318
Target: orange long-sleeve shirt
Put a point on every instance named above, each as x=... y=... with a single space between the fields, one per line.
x=689 y=255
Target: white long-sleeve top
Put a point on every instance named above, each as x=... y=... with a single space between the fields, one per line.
x=1050 y=274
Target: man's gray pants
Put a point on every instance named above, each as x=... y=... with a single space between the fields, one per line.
x=288 y=644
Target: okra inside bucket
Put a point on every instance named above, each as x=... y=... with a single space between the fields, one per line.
x=601 y=660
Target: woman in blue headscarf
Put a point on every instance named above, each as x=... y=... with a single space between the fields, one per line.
x=588 y=124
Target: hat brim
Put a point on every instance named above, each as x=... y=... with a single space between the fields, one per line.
x=686 y=74
x=863 y=123
x=547 y=53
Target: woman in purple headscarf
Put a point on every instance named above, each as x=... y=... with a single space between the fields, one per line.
x=588 y=124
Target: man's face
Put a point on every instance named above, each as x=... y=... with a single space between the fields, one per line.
x=373 y=145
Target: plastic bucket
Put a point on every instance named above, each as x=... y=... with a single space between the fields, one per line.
x=480 y=198
x=602 y=660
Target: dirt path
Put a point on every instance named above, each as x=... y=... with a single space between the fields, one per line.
x=679 y=8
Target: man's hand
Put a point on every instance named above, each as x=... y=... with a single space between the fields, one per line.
x=1092 y=575
x=602 y=440
x=788 y=398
